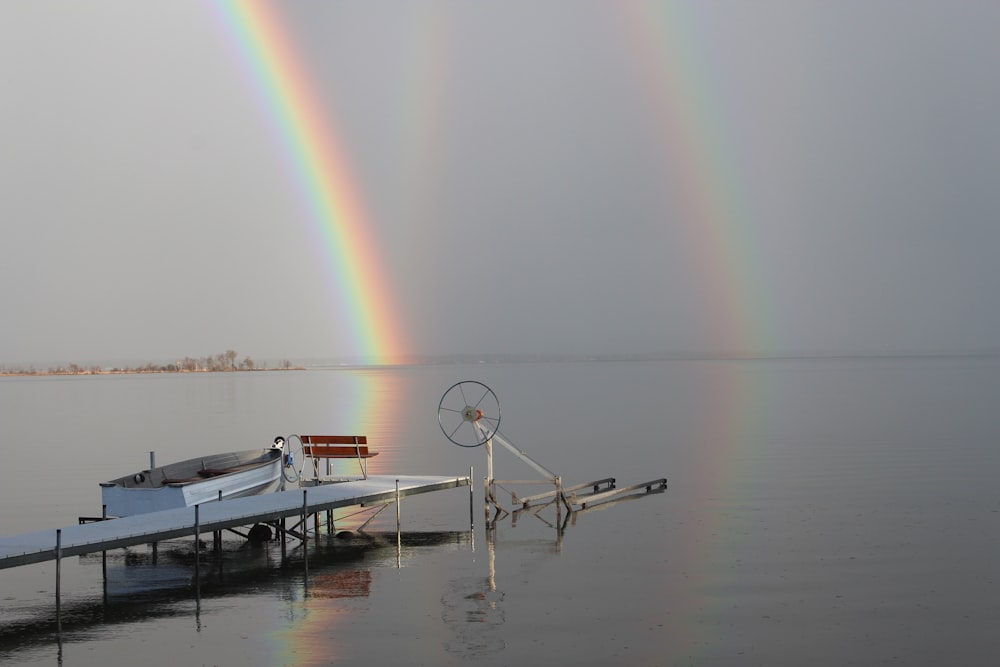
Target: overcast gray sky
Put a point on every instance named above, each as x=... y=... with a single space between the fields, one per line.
x=772 y=177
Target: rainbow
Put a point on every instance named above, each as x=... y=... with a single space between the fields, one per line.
x=701 y=157
x=702 y=166
x=306 y=133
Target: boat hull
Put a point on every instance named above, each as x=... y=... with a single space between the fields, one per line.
x=192 y=482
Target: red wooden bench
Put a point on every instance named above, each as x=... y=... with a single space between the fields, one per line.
x=338 y=447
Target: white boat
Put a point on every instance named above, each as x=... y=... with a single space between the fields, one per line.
x=195 y=481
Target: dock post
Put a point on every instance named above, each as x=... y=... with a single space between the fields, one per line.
x=58 y=579
x=217 y=535
x=399 y=534
x=104 y=560
x=305 y=516
x=197 y=566
x=305 y=541
x=104 y=554
x=152 y=461
x=197 y=546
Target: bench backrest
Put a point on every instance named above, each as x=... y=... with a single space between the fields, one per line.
x=334 y=439
x=336 y=446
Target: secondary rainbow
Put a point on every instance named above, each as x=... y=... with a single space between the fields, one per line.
x=306 y=133
x=701 y=156
x=700 y=149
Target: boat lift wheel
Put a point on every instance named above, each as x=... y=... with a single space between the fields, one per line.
x=469 y=413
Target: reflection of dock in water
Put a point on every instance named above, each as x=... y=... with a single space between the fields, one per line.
x=142 y=583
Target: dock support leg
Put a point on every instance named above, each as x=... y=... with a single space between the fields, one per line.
x=399 y=534
x=104 y=556
x=398 y=523
x=305 y=516
x=59 y=580
x=197 y=546
x=305 y=541
x=217 y=535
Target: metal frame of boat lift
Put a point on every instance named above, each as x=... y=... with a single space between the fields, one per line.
x=469 y=416
x=558 y=494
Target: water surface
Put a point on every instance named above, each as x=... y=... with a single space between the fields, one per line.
x=822 y=512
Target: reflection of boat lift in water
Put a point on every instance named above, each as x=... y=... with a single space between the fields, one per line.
x=483 y=599
x=469 y=416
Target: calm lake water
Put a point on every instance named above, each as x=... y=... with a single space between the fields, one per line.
x=819 y=512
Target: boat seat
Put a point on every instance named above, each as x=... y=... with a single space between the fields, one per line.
x=215 y=472
x=179 y=480
x=337 y=447
x=205 y=473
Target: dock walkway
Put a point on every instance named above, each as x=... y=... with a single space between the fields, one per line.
x=86 y=538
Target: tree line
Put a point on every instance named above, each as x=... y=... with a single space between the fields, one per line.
x=227 y=361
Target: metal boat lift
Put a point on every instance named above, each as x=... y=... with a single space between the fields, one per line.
x=469 y=416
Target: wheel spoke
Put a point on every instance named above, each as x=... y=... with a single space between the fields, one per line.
x=461 y=390
x=485 y=394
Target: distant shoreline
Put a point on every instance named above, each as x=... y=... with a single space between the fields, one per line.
x=140 y=371
x=225 y=362
x=136 y=371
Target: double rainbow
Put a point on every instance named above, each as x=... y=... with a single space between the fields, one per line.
x=707 y=197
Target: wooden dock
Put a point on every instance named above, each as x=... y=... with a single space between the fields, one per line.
x=96 y=536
